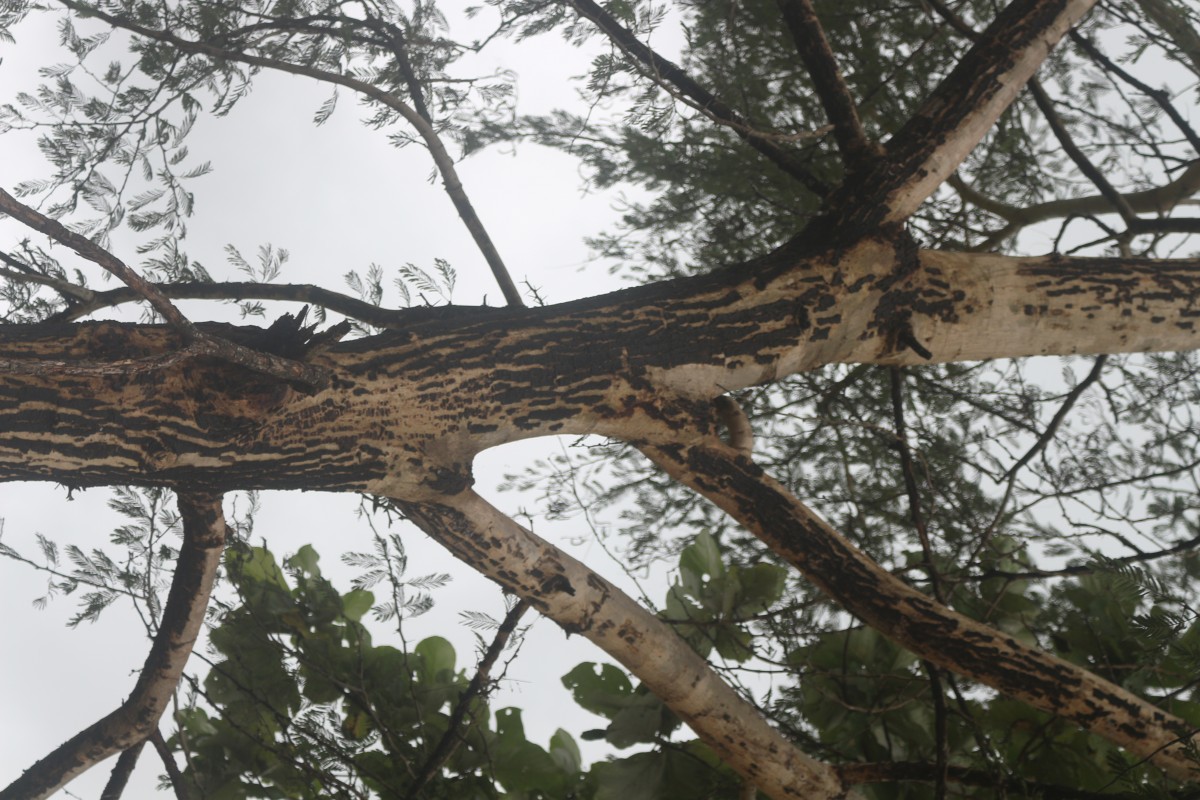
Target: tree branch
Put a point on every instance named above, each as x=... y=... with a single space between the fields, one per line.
x=956 y=116
x=437 y=150
x=179 y=784
x=663 y=70
x=582 y=602
x=204 y=535
x=917 y=622
x=196 y=342
x=119 y=778
x=822 y=66
x=453 y=736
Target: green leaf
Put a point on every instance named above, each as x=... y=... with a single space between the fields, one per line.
x=437 y=656
x=565 y=752
x=355 y=603
x=600 y=688
x=637 y=777
x=702 y=557
x=305 y=560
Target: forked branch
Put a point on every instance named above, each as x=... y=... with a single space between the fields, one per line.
x=204 y=534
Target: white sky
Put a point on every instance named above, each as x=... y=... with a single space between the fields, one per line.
x=338 y=198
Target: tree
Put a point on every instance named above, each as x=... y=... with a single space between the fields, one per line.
x=836 y=234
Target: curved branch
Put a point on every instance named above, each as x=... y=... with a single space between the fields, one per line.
x=582 y=602
x=441 y=158
x=204 y=535
x=919 y=623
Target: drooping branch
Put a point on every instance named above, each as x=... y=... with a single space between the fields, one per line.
x=956 y=116
x=582 y=602
x=429 y=135
x=671 y=75
x=916 y=621
x=204 y=535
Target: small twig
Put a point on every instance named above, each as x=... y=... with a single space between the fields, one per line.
x=453 y=736
x=1052 y=428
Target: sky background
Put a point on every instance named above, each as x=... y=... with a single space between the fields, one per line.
x=338 y=197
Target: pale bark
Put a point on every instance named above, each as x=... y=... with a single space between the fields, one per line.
x=583 y=603
x=408 y=410
x=204 y=535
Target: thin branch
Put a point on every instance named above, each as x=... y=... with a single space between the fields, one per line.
x=1086 y=569
x=93 y=252
x=1159 y=96
x=822 y=66
x=204 y=534
x=179 y=784
x=433 y=142
x=1082 y=162
x=242 y=290
x=453 y=736
x=119 y=779
x=1047 y=435
x=664 y=70
x=196 y=343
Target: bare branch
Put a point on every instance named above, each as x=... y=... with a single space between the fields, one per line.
x=582 y=602
x=453 y=736
x=121 y=772
x=1082 y=162
x=178 y=783
x=917 y=622
x=204 y=535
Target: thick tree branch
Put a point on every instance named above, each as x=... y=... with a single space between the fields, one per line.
x=955 y=117
x=661 y=69
x=433 y=142
x=384 y=424
x=918 y=622
x=582 y=602
x=204 y=535
x=822 y=66
x=196 y=342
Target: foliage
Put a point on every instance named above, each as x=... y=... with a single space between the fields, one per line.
x=1055 y=501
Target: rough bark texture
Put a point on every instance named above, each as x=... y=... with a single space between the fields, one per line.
x=582 y=602
x=918 y=622
x=406 y=411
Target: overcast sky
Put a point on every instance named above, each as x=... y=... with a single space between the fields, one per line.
x=337 y=197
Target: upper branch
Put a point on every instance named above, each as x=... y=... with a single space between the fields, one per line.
x=204 y=534
x=822 y=66
x=433 y=142
x=955 y=117
x=662 y=69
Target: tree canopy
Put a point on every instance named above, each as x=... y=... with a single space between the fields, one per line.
x=907 y=558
